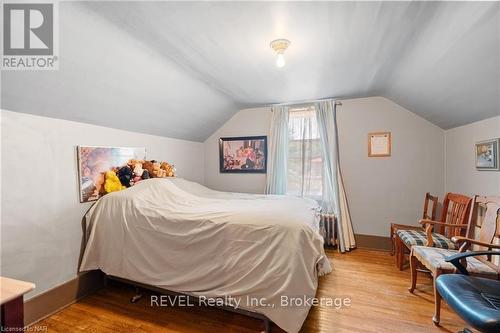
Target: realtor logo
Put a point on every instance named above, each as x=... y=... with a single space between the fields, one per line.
x=29 y=36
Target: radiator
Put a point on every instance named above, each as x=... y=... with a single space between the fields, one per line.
x=327 y=227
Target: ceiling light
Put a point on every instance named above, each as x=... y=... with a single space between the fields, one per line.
x=279 y=46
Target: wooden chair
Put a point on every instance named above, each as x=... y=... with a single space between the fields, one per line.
x=453 y=222
x=484 y=234
x=429 y=201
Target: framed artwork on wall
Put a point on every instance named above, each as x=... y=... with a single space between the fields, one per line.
x=93 y=162
x=244 y=154
x=486 y=155
x=379 y=144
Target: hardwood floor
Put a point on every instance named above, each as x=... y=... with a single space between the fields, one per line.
x=377 y=289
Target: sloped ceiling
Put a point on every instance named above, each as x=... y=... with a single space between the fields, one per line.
x=182 y=69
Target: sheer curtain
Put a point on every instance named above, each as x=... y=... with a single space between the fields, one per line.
x=334 y=196
x=278 y=152
x=305 y=164
x=304 y=161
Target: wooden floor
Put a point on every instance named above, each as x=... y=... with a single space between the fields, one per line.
x=380 y=303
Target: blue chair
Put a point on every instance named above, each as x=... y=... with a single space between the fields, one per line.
x=476 y=300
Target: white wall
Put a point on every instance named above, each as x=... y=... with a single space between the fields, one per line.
x=379 y=190
x=461 y=173
x=244 y=123
x=41 y=228
x=385 y=189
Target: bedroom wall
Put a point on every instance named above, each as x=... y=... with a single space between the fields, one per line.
x=379 y=190
x=460 y=170
x=41 y=228
x=244 y=123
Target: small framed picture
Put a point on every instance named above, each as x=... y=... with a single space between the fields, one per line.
x=487 y=155
x=379 y=144
x=246 y=154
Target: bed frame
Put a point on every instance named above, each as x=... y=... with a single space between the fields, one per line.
x=267 y=322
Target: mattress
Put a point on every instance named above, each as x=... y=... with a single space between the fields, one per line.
x=259 y=251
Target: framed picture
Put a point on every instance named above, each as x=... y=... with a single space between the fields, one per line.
x=487 y=155
x=246 y=154
x=379 y=144
x=93 y=162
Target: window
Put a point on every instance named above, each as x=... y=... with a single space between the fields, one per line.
x=305 y=162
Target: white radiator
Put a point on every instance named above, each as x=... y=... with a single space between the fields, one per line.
x=328 y=229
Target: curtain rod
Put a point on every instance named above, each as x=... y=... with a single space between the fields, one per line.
x=339 y=103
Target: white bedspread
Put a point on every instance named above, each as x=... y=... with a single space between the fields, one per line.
x=184 y=237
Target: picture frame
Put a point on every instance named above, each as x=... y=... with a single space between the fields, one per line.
x=94 y=161
x=379 y=144
x=243 y=154
x=486 y=155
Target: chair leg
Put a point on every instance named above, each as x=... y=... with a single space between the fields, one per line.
x=413 y=268
x=400 y=249
x=396 y=252
x=393 y=246
x=437 y=303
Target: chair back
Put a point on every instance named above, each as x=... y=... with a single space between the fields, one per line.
x=430 y=202
x=456 y=209
x=485 y=220
x=485 y=225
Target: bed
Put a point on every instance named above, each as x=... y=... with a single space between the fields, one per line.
x=180 y=236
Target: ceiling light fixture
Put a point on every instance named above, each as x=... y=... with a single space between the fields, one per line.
x=279 y=46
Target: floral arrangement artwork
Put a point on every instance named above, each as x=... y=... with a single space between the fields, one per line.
x=487 y=157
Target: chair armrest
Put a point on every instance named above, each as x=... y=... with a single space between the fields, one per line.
x=461 y=239
x=396 y=226
x=455 y=259
x=453 y=225
x=429 y=225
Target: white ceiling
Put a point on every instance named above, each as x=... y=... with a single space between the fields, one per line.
x=182 y=69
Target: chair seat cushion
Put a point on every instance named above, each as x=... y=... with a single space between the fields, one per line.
x=419 y=237
x=474 y=299
x=434 y=259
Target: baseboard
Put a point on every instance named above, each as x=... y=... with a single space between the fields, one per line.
x=57 y=298
x=380 y=243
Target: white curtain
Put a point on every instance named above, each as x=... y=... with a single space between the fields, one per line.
x=278 y=152
x=334 y=197
x=304 y=161
x=305 y=167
